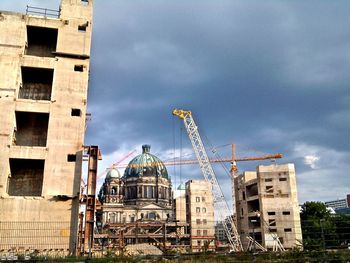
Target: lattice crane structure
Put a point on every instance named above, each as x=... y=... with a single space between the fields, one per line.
x=220 y=203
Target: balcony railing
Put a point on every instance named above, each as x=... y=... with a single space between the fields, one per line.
x=31 y=10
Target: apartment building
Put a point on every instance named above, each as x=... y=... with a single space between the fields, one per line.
x=200 y=214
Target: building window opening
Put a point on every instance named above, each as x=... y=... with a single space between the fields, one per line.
x=71 y=157
x=286 y=213
x=253 y=206
x=79 y=68
x=204 y=221
x=76 y=112
x=152 y=216
x=85 y=2
x=205 y=232
x=26 y=177
x=287 y=230
x=198 y=209
x=269 y=189
x=272 y=222
x=252 y=190
x=283 y=179
x=204 y=210
x=198 y=199
x=271 y=213
x=36 y=83
x=82 y=28
x=31 y=129
x=42 y=41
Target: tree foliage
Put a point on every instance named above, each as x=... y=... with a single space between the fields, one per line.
x=321 y=229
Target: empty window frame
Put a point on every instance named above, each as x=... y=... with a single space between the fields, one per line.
x=287 y=230
x=198 y=209
x=204 y=210
x=79 y=68
x=85 y=2
x=272 y=222
x=26 y=177
x=273 y=230
x=198 y=199
x=286 y=213
x=76 y=112
x=282 y=179
x=268 y=180
x=269 y=189
x=82 y=27
x=42 y=41
x=31 y=129
x=251 y=190
x=36 y=83
x=71 y=157
x=271 y=213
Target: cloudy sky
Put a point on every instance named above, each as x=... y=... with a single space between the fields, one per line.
x=270 y=76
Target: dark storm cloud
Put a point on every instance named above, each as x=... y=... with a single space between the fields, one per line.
x=270 y=75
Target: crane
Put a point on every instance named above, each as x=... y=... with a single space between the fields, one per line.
x=215 y=160
x=220 y=203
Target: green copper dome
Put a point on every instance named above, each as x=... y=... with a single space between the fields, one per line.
x=112 y=173
x=146 y=164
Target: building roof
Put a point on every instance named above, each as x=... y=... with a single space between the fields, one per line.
x=146 y=164
x=112 y=173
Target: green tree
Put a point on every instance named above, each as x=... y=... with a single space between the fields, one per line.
x=317 y=226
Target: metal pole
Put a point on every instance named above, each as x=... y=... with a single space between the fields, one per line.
x=323 y=241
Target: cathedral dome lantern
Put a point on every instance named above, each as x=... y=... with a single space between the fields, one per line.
x=146 y=164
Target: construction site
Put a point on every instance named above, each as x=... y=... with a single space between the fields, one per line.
x=47 y=208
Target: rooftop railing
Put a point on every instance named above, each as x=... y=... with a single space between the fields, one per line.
x=31 y=10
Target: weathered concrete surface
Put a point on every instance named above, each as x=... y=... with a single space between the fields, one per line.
x=271 y=191
x=58 y=200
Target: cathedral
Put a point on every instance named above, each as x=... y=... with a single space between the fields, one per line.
x=143 y=193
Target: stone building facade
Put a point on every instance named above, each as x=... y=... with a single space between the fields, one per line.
x=143 y=193
x=267 y=205
x=43 y=95
x=200 y=215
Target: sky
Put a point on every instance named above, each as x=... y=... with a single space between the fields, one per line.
x=270 y=76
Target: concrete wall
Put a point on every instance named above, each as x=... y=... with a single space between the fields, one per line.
x=58 y=201
x=269 y=196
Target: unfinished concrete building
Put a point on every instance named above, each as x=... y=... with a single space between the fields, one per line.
x=200 y=215
x=44 y=69
x=267 y=205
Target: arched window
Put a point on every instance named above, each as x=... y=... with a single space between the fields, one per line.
x=113 y=191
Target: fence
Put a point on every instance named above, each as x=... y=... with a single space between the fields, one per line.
x=34 y=237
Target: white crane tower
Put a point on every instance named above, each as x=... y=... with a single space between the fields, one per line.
x=220 y=203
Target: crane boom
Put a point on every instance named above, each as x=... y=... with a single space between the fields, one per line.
x=220 y=203
x=216 y=160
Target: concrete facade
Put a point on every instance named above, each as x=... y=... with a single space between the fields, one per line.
x=267 y=205
x=200 y=215
x=43 y=95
